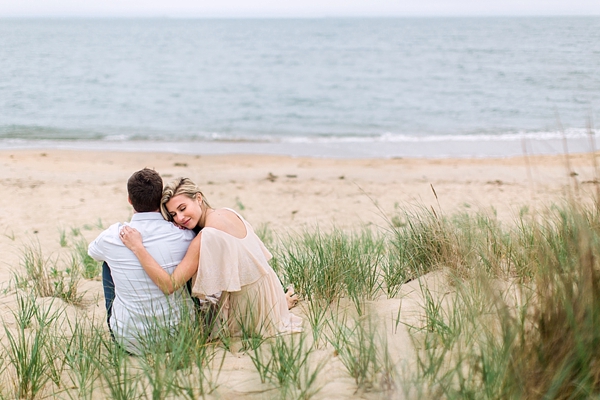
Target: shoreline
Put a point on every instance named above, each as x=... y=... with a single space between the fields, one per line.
x=414 y=148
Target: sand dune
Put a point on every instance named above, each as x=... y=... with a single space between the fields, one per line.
x=78 y=193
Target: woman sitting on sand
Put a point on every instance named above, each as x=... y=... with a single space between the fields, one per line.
x=226 y=256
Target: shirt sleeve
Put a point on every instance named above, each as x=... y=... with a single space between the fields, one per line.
x=97 y=248
x=94 y=249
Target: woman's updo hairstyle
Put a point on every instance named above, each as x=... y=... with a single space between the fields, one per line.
x=175 y=188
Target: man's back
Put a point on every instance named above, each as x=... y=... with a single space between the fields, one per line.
x=139 y=305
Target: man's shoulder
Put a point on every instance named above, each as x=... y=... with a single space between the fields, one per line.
x=105 y=242
x=112 y=230
x=162 y=228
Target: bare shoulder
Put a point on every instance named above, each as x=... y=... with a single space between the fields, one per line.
x=227 y=221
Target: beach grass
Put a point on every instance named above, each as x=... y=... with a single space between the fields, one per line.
x=361 y=350
x=518 y=330
x=506 y=310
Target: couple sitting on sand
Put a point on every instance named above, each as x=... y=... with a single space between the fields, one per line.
x=148 y=262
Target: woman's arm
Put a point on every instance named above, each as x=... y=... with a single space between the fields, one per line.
x=132 y=238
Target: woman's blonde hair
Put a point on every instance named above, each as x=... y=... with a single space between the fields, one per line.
x=175 y=188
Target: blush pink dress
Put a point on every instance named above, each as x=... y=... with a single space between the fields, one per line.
x=252 y=297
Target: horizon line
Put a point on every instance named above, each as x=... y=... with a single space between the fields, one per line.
x=234 y=17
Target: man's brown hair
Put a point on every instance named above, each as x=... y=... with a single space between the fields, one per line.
x=145 y=190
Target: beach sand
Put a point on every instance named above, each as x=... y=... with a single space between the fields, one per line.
x=49 y=191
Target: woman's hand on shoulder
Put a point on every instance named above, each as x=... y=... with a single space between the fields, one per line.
x=131 y=238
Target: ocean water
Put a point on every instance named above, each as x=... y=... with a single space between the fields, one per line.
x=397 y=87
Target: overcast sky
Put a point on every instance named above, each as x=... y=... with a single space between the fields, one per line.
x=294 y=8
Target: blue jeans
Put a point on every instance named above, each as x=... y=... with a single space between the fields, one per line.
x=109 y=291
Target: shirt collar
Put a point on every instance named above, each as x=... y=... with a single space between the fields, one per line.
x=147 y=216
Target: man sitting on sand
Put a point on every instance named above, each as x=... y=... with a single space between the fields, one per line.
x=136 y=307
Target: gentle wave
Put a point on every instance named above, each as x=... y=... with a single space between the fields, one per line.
x=399 y=138
x=388 y=137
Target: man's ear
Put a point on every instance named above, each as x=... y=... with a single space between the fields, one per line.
x=129 y=200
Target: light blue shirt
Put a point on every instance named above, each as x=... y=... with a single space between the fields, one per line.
x=139 y=304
